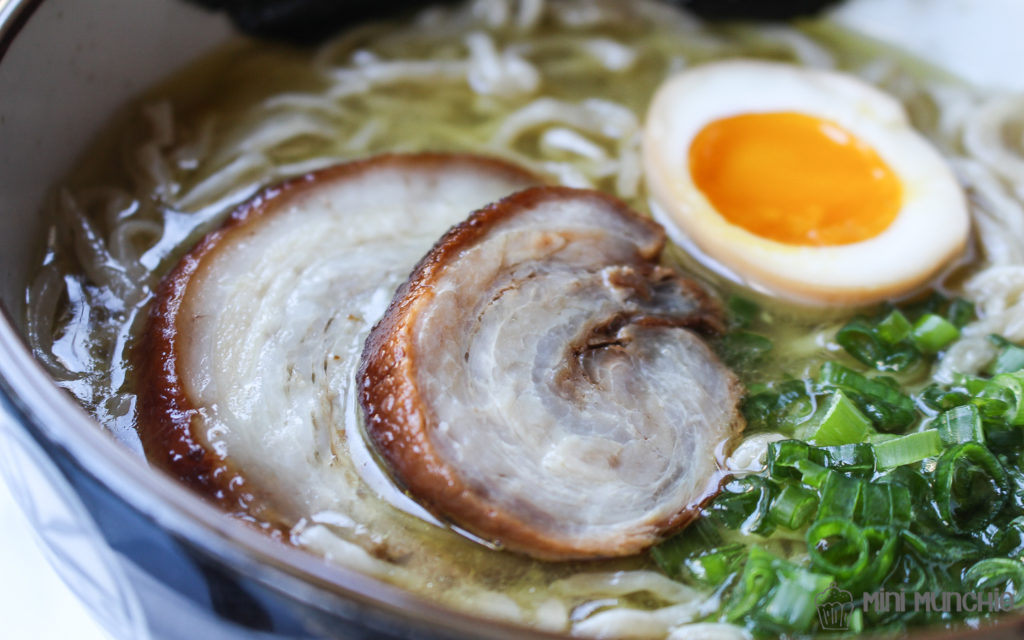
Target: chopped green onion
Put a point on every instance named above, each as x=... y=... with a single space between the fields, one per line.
x=910 y=572
x=884 y=504
x=901 y=505
x=863 y=341
x=840 y=496
x=993 y=408
x=882 y=551
x=942 y=548
x=842 y=423
x=933 y=333
x=838 y=547
x=784 y=455
x=775 y=594
x=1014 y=385
x=997 y=573
x=942 y=399
x=875 y=506
x=856 y=623
x=713 y=566
x=879 y=398
x=672 y=554
x=895 y=327
x=793 y=507
x=961 y=424
x=960 y=312
x=971 y=487
x=1004 y=438
x=1010 y=358
x=894 y=343
x=744 y=503
x=793 y=605
x=1010 y=543
x=741 y=311
x=812 y=474
x=854 y=459
x=996 y=399
x=782 y=409
x=743 y=347
x=921 y=509
x=907 y=449
x=758 y=579
x=934 y=303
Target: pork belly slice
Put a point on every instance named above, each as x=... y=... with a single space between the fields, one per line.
x=543 y=383
x=247 y=364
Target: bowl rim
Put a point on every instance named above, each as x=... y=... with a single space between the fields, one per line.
x=176 y=509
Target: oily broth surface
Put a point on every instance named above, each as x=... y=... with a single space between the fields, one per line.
x=172 y=165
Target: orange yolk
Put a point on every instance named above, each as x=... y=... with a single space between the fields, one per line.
x=794 y=178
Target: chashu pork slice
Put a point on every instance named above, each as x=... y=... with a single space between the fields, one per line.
x=542 y=382
x=247 y=365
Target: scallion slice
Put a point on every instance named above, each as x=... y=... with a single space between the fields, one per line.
x=1001 y=574
x=840 y=496
x=933 y=333
x=841 y=423
x=1014 y=385
x=712 y=567
x=961 y=424
x=744 y=503
x=784 y=457
x=882 y=552
x=960 y=312
x=838 y=547
x=742 y=311
x=971 y=487
x=758 y=579
x=894 y=327
x=775 y=594
x=793 y=605
x=879 y=398
x=866 y=343
x=1010 y=358
x=812 y=474
x=673 y=554
x=1010 y=543
x=744 y=347
x=793 y=507
x=875 y=505
x=908 y=449
x=855 y=459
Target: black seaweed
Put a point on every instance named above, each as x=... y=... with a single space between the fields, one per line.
x=311 y=21
x=307 y=21
x=753 y=9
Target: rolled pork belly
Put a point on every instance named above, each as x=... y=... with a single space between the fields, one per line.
x=543 y=382
x=246 y=366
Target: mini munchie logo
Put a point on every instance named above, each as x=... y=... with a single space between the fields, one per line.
x=835 y=605
x=834 y=608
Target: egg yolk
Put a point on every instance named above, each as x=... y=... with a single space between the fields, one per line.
x=794 y=178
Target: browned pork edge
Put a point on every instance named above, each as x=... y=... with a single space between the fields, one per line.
x=165 y=412
x=399 y=420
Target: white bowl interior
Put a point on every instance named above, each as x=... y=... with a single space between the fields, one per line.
x=72 y=64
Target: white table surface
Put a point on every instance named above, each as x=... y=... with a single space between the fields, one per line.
x=34 y=602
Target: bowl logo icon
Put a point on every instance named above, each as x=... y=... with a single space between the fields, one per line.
x=834 y=607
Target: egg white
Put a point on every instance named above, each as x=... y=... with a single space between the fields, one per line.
x=929 y=230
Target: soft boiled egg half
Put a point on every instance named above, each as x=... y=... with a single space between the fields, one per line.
x=806 y=184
